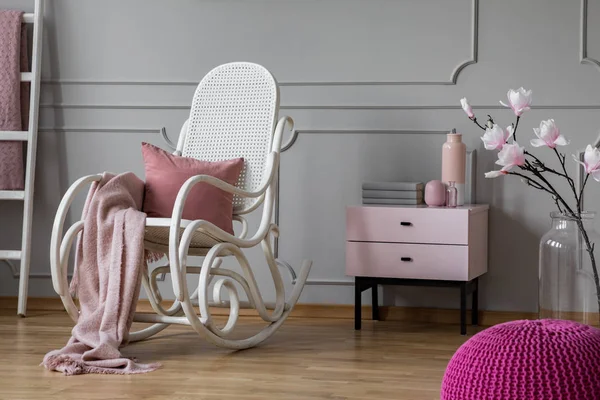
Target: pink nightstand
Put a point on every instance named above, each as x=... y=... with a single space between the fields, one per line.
x=417 y=246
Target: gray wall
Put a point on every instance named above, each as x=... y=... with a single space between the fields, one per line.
x=117 y=71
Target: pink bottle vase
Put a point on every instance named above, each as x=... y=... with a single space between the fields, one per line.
x=454 y=155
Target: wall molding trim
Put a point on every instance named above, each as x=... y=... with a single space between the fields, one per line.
x=474 y=45
x=161 y=278
x=67 y=106
x=584 y=59
x=77 y=82
x=99 y=130
x=14 y=270
x=186 y=107
x=88 y=82
x=294 y=136
x=285 y=147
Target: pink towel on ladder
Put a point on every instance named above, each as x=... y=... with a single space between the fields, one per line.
x=14 y=97
x=108 y=268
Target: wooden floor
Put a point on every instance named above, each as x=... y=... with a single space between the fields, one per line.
x=306 y=359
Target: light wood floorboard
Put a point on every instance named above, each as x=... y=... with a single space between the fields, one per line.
x=308 y=358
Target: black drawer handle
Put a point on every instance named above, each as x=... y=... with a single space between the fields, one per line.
x=404 y=223
x=406 y=259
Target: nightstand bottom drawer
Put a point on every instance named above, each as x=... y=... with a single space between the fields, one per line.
x=408 y=261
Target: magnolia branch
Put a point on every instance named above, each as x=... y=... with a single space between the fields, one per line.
x=477 y=123
x=515 y=126
x=581 y=192
x=562 y=158
x=538 y=174
x=532 y=182
x=511 y=155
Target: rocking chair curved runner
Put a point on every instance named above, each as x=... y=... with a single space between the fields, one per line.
x=233 y=114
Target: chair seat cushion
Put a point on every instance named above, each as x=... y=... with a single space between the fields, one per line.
x=166 y=173
x=159 y=237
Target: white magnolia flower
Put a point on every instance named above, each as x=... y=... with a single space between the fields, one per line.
x=467 y=107
x=519 y=100
x=511 y=155
x=591 y=161
x=548 y=135
x=495 y=137
x=494 y=174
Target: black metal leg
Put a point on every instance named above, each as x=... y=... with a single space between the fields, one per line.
x=475 y=303
x=463 y=308
x=375 y=302
x=362 y=283
x=357 y=303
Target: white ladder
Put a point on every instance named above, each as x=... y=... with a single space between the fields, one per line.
x=30 y=136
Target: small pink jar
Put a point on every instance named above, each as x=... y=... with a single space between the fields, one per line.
x=435 y=193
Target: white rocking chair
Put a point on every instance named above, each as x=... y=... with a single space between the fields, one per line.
x=233 y=114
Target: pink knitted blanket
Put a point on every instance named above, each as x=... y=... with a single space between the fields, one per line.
x=107 y=278
x=14 y=97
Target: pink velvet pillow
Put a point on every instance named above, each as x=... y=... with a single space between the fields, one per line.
x=166 y=173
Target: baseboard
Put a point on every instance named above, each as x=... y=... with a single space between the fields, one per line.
x=33 y=304
x=331 y=311
x=450 y=316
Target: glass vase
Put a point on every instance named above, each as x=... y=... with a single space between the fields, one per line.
x=568 y=279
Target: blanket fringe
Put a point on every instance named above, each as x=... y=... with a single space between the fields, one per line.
x=152 y=256
x=64 y=364
x=70 y=367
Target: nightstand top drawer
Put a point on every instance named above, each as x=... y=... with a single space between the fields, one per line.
x=412 y=224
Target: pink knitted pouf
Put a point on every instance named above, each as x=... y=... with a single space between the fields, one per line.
x=527 y=360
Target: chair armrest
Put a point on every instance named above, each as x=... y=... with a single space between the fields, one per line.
x=56 y=258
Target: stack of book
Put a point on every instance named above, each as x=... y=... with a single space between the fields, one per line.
x=394 y=193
